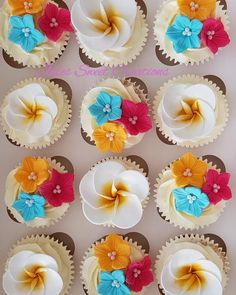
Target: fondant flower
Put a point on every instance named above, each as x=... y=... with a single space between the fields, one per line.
x=216 y=186
x=20 y=7
x=139 y=274
x=32 y=173
x=112 y=194
x=110 y=137
x=135 y=117
x=113 y=254
x=200 y=9
x=59 y=189
x=30 y=110
x=112 y=283
x=188 y=170
x=213 y=35
x=32 y=273
x=55 y=21
x=30 y=206
x=23 y=32
x=190 y=200
x=106 y=108
x=184 y=33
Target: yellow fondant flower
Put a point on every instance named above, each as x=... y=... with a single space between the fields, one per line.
x=20 y=7
x=32 y=173
x=198 y=9
x=188 y=170
x=110 y=137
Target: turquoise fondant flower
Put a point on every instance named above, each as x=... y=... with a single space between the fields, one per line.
x=30 y=206
x=112 y=283
x=106 y=108
x=190 y=200
x=184 y=33
x=23 y=32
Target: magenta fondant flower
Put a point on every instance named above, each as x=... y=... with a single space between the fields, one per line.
x=55 y=21
x=59 y=189
x=216 y=186
x=139 y=274
x=135 y=117
x=213 y=34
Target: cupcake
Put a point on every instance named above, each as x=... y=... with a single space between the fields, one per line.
x=39 y=265
x=190 y=31
x=39 y=191
x=114 y=193
x=117 y=265
x=190 y=110
x=115 y=115
x=36 y=113
x=117 y=33
x=35 y=32
x=191 y=192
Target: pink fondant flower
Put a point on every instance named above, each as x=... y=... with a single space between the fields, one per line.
x=139 y=274
x=55 y=21
x=59 y=189
x=135 y=117
x=213 y=34
x=216 y=186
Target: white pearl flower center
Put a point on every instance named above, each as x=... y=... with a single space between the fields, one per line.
x=53 y=23
x=216 y=188
x=187 y=172
x=32 y=176
x=112 y=255
x=28 y=5
x=116 y=284
x=194 y=6
x=110 y=136
x=191 y=199
x=107 y=108
x=26 y=31
x=57 y=189
x=136 y=272
x=187 y=32
x=133 y=120
x=29 y=203
x=210 y=34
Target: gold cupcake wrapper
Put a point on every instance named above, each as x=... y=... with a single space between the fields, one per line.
x=190 y=79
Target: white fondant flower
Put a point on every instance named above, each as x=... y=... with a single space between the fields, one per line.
x=30 y=273
x=112 y=194
x=188 y=272
x=189 y=110
x=30 y=110
x=104 y=24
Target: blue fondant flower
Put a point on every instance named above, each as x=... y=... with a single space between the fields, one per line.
x=112 y=283
x=184 y=33
x=106 y=108
x=30 y=206
x=23 y=32
x=190 y=200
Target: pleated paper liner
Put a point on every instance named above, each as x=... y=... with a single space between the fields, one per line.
x=213 y=241
x=140 y=88
x=213 y=162
x=12 y=60
x=60 y=87
x=135 y=239
x=215 y=83
x=62 y=165
x=164 y=57
x=93 y=59
x=64 y=246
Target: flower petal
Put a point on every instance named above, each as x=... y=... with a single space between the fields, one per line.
x=97 y=216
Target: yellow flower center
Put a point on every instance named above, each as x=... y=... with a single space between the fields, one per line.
x=32 y=112
x=190 y=111
x=106 y=21
x=33 y=278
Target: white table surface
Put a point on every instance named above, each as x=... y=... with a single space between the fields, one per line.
x=157 y=154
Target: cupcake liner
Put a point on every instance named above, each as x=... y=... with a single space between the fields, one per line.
x=190 y=79
x=165 y=213
x=61 y=250
x=61 y=129
x=204 y=240
x=220 y=13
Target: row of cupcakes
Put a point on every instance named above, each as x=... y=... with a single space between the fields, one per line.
x=112 y=33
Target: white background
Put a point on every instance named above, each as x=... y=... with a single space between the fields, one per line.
x=157 y=154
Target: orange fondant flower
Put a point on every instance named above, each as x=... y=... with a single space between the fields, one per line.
x=188 y=170
x=20 y=7
x=32 y=173
x=110 y=137
x=113 y=254
x=198 y=9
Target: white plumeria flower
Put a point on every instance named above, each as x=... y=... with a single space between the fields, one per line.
x=30 y=110
x=111 y=194
x=30 y=273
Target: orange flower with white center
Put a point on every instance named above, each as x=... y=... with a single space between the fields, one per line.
x=32 y=173
x=113 y=254
x=197 y=9
x=20 y=7
x=188 y=170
